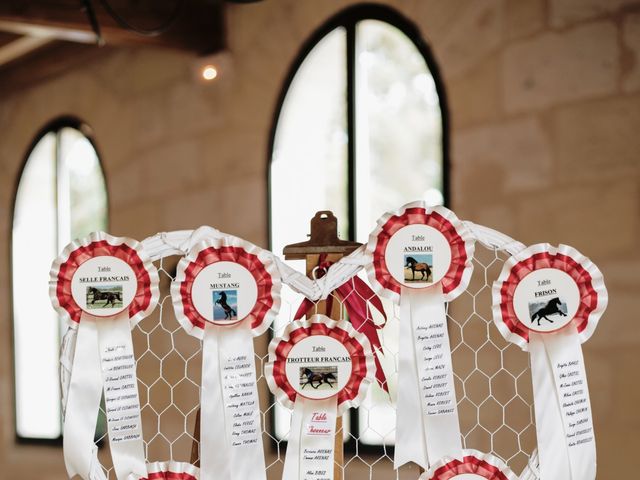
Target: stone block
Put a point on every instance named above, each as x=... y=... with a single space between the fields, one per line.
x=233 y=156
x=475 y=97
x=137 y=220
x=565 y=12
x=436 y=17
x=170 y=168
x=631 y=58
x=524 y=17
x=194 y=108
x=597 y=140
x=473 y=35
x=600 y=219
x=508 y=157
x=622 y=275
x=618 y=328
x=558 y=67
x=192 y=209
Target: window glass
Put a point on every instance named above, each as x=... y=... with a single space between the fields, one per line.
x=366 y=78
x=61 y=195
x=311 y=131
x=398 y=125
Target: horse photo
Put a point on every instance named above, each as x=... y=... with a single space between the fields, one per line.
x=112 y=297
x=422 y=264
x=225 y=306
x=322 y=378
x=552 y=307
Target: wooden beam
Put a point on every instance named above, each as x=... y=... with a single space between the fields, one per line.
x=20 y=47
x=47 y=62
x=198 y=27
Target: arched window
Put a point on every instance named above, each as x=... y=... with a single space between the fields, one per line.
x=361 y=129
x=61 y=195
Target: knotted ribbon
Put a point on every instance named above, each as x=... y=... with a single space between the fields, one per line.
x=356 y=296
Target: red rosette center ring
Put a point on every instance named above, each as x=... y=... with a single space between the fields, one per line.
x=84 y=257
x=225 y=282
x=430 y=241
x=331 y=353
x=543 y=289
x=473 y=466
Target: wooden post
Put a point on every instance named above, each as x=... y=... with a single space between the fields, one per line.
x=323 y=239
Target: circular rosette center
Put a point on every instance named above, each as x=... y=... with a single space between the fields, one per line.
x=546 y=300
x=104 y=286
x=224 y=293
x=318 y=367
x=418 y=256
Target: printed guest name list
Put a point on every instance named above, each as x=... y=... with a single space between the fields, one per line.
x=436 y=380
x=574 y=402
x=121 y=394
x=241 y=400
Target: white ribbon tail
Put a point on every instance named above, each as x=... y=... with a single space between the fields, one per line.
x=429 y=393
x=532 y=470
x=411 y=445
x=310 y=449
x=83 y=401
x=122 y=402
x=230 y=429
x=564 y=424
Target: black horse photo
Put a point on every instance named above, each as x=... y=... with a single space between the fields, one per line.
x=112 y=297
x=229 y=312
x=318 y=377
x=422 y=265
x=551 y=308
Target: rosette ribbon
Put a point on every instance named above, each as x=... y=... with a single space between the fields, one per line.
x=227 y=291
x=319 y=368
x=472 y=465
x=548 y=301
x=103 y=286
x=421 y=257
x=356 y=296
x=169 y=471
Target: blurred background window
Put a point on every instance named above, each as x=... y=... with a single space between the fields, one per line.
x=361 y=130
x=61 y=196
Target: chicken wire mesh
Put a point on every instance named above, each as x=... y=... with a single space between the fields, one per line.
x=492 y=379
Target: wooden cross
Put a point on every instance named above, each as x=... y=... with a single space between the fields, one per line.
x=323 y=239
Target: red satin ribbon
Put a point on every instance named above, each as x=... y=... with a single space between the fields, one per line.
x=470 y=464
x=356 y=295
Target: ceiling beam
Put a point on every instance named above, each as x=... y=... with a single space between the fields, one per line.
x=198 y=28
x=20 y=47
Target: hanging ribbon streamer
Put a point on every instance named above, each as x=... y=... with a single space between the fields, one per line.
x=548 y=301
x=103 y=286
x=226 y=292
x=356 y=296
x=420 y=257
x=319 y=368
x=472 y=465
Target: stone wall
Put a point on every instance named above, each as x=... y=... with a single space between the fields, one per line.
x=544 y=100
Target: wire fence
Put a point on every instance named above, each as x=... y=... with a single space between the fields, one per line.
x=492 y=379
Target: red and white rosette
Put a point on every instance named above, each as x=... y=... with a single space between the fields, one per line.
x=421 y=257
x=318 y=367
x=227 y=291
x=473 y=465
x=169 y=471
x=103 y=286
x=548 y=301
